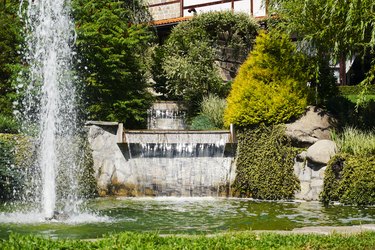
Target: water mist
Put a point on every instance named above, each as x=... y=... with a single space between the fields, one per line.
x=49 y=103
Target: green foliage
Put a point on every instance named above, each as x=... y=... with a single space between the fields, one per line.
x=8 y=124
x=191 y=77
x=211 y=115
x=7 y=180
x=350 y=180
x=112 y=39
x=330 y=28
x=190 y=59
x=10 y=39
x=355 y=142
x=270 y=87
x=335 y=27
x=324 y=81
x=348 y=113
x=202 y=122
x=86 y=181
x=356 y=90
x=265 y=164
x=244 y=240
x=349 y=177
x=15 y=156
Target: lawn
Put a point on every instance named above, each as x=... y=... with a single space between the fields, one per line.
x=243 y=240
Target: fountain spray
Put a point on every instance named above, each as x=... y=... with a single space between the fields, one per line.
x=49 y=103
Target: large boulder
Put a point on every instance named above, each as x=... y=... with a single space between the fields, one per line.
x=314 y=125
x=321 y=152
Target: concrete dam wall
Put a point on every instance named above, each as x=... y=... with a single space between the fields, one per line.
x=161 y=162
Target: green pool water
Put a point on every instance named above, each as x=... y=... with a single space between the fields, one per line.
x=183 y=216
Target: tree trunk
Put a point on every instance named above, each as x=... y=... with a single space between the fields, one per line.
x=342 y=65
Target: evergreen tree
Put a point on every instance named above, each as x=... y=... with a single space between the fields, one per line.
x=10 y=39
x=112 y=39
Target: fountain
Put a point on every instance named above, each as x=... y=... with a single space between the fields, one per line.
x=135 y=157
x=50 y=105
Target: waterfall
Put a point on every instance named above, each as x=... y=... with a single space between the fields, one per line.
x=175 y=163
x=49 y=108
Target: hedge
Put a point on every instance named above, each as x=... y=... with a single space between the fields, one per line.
x=356 y=90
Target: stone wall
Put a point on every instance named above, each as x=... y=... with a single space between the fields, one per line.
x=162 y=12
x=310 y=166
x=311 y=178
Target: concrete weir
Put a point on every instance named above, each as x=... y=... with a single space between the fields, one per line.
x=162 y=162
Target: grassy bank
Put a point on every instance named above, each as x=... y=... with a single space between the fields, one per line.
x=247 y=240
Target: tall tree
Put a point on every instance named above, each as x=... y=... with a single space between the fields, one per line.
x=10 y=39
x=336 y=29
x=112 y=39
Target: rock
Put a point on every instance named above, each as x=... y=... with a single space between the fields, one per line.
x=321 y=152
x=305 y=174
x=314 y=125
x=301 y=157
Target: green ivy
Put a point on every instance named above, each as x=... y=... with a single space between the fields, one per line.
x=350 y=180
x=265 y=164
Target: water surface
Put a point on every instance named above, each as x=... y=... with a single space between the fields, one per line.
x=168 y=215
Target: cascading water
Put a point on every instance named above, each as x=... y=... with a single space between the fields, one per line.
x=49 y=104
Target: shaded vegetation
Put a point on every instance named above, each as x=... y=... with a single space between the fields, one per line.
x=187 y=67
x=8 y=124
x=336 y=30
x=265 y=160
x=348 y=113
x=16 y=155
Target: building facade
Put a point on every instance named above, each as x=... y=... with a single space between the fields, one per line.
x=178 y=10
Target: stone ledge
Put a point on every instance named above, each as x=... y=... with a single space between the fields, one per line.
x=101 y=123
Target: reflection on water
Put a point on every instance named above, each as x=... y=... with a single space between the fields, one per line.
x=184 y=215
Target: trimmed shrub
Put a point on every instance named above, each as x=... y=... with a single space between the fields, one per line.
x=271 y=86
x=350 y=180
x=265 y=164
